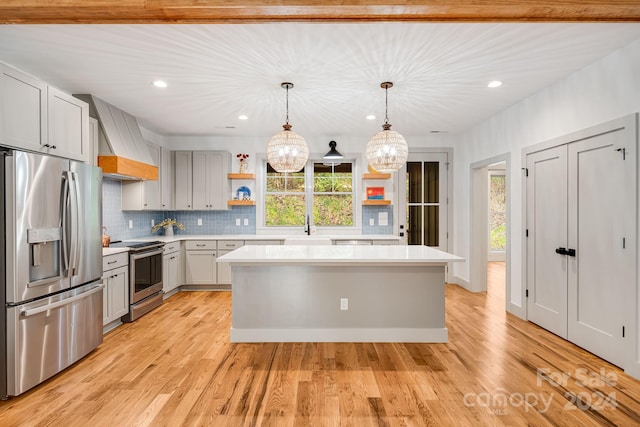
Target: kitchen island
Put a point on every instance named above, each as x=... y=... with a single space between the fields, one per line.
x=322 y=293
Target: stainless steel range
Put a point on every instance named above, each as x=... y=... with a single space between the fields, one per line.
x=145 y=277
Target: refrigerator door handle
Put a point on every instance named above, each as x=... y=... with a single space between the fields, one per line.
x=37 y=310
x=75 y=261
x=65 y=213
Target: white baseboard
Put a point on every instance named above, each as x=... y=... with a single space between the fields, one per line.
x=416 y=335
x=460 y=282
x=516 y=310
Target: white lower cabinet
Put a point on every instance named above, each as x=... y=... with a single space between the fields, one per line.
x=200 y=262
x=115 y=301
x=201 y=267
x=224 y=270
x=172 y=276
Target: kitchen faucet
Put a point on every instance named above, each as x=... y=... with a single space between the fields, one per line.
x=307 y=227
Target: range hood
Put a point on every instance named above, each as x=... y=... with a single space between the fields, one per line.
x=122 y=152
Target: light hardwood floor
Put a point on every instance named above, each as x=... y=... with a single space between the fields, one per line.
x=175 y=367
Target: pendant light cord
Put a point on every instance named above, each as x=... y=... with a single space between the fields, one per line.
x=386 y=105
x=287 y=88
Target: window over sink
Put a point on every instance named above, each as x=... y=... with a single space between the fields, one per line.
x=323 y=192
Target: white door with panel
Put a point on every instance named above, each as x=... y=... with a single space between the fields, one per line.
x=547 y=229
x=602 y=201
x=581 y=204
x=423 y=200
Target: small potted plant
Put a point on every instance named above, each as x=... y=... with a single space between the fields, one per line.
x=243 y=162
x=168 y=225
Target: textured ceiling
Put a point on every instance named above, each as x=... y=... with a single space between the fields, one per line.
x=217 y=72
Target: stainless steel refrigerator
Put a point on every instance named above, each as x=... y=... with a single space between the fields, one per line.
x=50 y=266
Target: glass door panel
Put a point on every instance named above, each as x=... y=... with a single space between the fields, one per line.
x=414 y=182
x=431 y=226
x=431 y=182
x=424 y=209
x=414 y=225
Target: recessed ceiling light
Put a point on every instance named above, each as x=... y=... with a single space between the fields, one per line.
x=495 y=83
x=243 y=117
x=371 y=117
x=160 y=83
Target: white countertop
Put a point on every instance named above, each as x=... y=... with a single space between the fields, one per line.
x=332 y=255
x=113 y=251
x=179 y=237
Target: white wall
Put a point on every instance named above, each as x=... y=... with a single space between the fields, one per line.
x=605 y=90
x=257 y=145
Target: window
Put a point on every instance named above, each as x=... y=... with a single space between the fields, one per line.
x=332 y=195
x=329 y=202
x=284 y=199
x=497 y=213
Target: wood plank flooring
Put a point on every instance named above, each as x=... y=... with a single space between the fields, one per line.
x=176 y=367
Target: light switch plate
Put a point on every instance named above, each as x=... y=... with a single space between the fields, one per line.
x=130 y=223
x=237 y=221
x=199 y=221
x=372 y=221
x=383 y=218
x=246 y=221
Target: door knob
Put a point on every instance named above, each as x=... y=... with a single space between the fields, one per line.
x=565 y=251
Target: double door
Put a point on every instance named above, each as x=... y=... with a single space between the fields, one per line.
x=581 y=240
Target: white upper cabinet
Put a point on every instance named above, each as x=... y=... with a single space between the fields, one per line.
x=41 y=118
x=183 y=180
x=68 y=126
x=210 y=185
x=23 y=110
x=166 y=179
x=151 y=195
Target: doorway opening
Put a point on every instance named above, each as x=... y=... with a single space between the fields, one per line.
x=497 y=230
x=489 y=255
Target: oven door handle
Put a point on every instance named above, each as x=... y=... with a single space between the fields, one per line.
x=147 y=254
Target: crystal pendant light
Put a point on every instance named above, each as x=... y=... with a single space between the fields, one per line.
x=287 y=151
x=387 y=150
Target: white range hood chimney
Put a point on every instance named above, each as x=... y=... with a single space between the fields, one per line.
x=123 y=153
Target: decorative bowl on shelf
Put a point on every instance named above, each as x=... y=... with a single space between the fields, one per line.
x=243 y=193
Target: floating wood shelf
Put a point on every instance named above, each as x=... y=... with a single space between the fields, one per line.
x=376 y=202
x=241 y=202
x=241 y=176
x=376 y=176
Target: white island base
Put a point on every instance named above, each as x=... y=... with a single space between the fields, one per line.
x=295 y=293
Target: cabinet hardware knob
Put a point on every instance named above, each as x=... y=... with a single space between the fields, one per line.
x=54 y=147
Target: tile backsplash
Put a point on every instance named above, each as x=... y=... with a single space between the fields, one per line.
x=373 y=212
x=117 y=221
